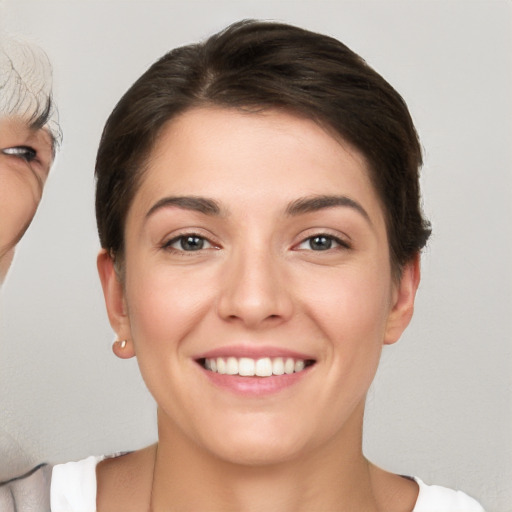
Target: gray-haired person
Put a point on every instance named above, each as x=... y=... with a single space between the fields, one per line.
x=29 y=136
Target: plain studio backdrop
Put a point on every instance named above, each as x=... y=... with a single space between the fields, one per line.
x=440 y=407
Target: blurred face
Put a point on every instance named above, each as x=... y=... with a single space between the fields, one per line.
x=25 y=159
x=258 y=289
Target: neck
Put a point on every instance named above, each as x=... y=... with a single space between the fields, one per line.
x=333 y=477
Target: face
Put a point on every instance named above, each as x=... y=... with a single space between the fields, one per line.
x=25 y=158
x=258 y=289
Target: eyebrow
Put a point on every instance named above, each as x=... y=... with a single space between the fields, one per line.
x=300 y=206
x=193 y=203
x=316 y=203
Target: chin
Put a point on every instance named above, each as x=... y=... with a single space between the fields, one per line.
x=258 y=446
x=257 y=455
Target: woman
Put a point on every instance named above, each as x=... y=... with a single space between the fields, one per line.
x=29 y=136
x=258 y=208
x=29 y=133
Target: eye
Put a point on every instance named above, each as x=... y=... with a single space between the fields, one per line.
x=24 y=152
x=188 y=243
x=322 y=242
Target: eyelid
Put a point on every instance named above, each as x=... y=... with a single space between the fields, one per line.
x=26 y=153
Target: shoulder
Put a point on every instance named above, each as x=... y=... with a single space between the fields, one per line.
x=434 y=498
x=28 y=492
x=113 y=483
x=73 y=485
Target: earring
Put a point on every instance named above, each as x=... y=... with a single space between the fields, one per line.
x=120 y=343
x=123 y=349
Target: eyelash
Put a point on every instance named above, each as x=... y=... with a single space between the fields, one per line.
x=26 y=153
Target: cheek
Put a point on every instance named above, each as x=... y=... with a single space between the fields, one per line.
x=19 y=198
x=166 y=309
x=351 y=309
x=164 y=305
x=352 y=300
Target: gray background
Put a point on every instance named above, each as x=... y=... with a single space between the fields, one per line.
x=441 y=405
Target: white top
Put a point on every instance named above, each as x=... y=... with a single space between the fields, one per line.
x=73 y=489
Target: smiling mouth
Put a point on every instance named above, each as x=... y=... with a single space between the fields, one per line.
x=262 y=367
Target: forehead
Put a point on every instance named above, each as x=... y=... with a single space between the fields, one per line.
x=13 y=125
x=205 y=147
x=253 y=165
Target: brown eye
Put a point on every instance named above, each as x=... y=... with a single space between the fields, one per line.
x=24 y=152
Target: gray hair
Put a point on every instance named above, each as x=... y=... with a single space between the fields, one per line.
x=26 y=86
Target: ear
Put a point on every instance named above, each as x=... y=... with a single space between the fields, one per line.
x=404 y=295
x=113 y=292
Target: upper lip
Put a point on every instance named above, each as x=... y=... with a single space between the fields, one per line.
x=253 y=352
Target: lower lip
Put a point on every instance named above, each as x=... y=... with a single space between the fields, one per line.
x=255 y=386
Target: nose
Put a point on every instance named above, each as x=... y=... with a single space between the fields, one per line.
x=254 y=291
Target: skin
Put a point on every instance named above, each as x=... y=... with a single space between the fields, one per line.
x=257 y=282
x=22 y=178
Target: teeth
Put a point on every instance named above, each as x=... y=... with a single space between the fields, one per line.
x=299 y=366
x=278 y=366
x=263 y=367
x=247 y=367
x=221 y=366
x=231 y=366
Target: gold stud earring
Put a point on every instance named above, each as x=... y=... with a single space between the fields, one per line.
x=123 y=349
x=120 y=343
